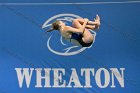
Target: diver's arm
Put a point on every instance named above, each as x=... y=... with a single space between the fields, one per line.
x=84 y=25
x=76 y=30
x=72 y=30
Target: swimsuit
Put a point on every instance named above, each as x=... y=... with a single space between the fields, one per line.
x=78 y=37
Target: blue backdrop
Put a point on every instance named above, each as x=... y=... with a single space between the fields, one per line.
x=23 y=43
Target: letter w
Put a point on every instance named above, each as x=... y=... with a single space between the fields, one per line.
x=24 y=74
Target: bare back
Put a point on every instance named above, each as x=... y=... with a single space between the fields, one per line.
x=65 y=32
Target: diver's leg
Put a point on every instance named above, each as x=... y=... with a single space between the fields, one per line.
x=88 y=26
x=81 y=21
x=92 y=27
x=77 y=24
x=87 y=36
x=91 y=24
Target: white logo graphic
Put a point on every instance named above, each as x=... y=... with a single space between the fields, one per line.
x=67 y=50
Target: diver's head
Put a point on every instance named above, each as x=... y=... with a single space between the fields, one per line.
x=57 y=25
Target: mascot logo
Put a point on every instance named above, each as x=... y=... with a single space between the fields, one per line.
x=63 y=49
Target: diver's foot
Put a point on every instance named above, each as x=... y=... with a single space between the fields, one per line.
x=97 y=20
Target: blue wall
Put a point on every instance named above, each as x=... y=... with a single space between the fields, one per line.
x=23 y=44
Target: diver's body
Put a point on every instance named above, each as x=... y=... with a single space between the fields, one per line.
x=79 y=30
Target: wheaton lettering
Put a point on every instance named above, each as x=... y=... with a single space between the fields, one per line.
x=60 y=78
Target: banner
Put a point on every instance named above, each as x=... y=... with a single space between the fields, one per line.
x=33 y=60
